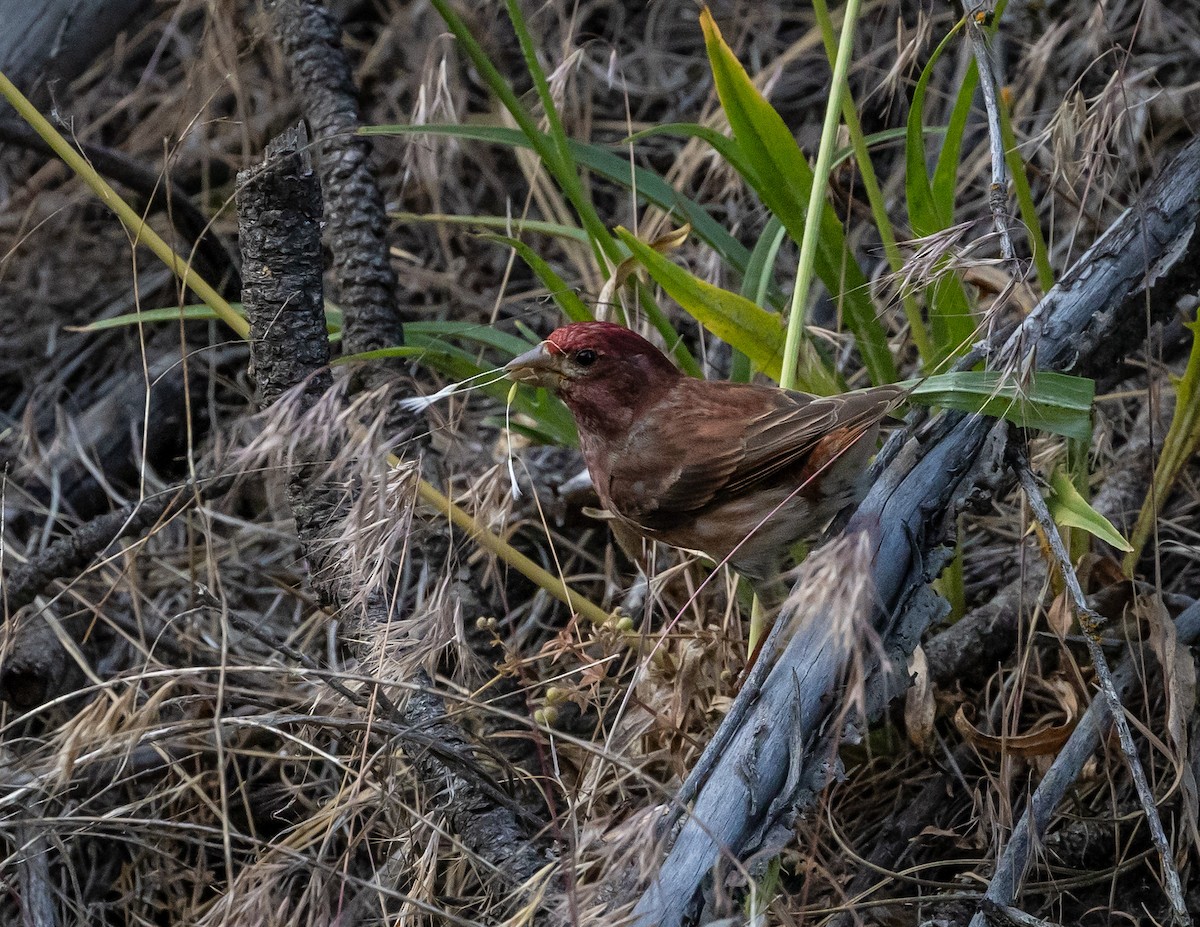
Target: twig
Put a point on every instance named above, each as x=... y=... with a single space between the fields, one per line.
x=1013 y=916
x=68 y=555
x=35 y=886
x=998 y=192
x=1090 y=622
x=1063 y=772
x=278 y=215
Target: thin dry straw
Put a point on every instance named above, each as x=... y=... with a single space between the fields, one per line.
x=421 y=403
x=512 y=473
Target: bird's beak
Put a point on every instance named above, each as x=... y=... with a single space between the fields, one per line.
x=539 y=367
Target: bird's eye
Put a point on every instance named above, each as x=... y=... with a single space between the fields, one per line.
x=586 y=357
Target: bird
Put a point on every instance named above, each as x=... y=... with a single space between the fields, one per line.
x=735 y=471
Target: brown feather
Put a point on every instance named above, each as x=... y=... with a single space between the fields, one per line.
x=736 y=471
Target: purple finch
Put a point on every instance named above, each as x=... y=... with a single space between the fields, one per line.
x=736 y=471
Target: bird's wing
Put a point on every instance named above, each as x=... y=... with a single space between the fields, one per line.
x=784 y=439
x=779 y=434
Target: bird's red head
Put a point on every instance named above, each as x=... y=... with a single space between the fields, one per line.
x=602 y=337
x=604 y=372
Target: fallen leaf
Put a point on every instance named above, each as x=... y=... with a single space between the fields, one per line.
x=1060 y=616
x=920 y=710
x=1047 y=740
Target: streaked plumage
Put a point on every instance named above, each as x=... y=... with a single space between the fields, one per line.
x=736 y=471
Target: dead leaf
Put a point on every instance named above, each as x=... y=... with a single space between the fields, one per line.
x=687 y=681
x=1179 y=684
x=994 y=282
x=669 y=241
x=1047 y=740
x=1179 y=674
x=920 y=709
x=1060 y=616
x=662 y=244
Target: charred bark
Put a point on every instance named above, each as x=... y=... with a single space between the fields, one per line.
x=279 y=215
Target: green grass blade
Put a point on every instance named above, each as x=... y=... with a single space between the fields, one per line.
x=951 y=324
x=502 y=224
x=541 y=85
x=193 y=313
x=756 y=285
x=737 y=321
x=658 y=319
x=733 y=155
x=945 y=172
x=486 y=335
x=650 y=187
x=196 y=312
x=1053 y=402
x=1179 y=448
x=760 y=272
x=723 y=145
x=567 y=299
x=922 y=207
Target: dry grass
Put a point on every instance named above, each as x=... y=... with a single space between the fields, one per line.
x=194 y=765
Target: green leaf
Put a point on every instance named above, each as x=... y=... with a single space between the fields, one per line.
x=487 y=335
x=500 y=224
x=756 y=285
x=723 y=145
x=650 y=187
x=781 y=176
x=749 y=328
x=945 y=172
x=1054 y=402
x=922 y=207
x=567 y=299
x=674 y=343
x=760 y=272
x=199 y=312
x=728 y=150
x=1179 y=447
x=1071 y=510
x=196 y=312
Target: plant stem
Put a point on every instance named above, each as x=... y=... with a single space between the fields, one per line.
x=816 y=201
x=134 y=224
x=875 y=197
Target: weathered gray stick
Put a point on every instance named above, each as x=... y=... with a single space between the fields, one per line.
x=775 y=762
x=1090 y=622
x=998 y=191
x=1064 y=771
